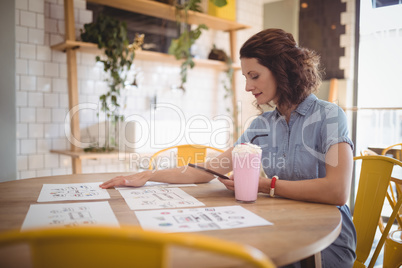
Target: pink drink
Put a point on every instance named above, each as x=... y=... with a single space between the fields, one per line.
x=246 y=171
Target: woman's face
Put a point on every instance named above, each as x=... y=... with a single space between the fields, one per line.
x=259 y=80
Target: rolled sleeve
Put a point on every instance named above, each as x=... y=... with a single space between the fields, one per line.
x=334 y=128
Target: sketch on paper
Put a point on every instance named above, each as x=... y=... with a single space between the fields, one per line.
x=74 y=191
x=155 y=184
x=69 y=214
x=158 y=197
x=199 y=219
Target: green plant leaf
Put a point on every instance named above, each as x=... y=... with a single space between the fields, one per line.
x=181 y=46
x=219 y=3
x=195 y=5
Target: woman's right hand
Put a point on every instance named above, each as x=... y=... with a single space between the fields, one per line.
x=136 y=180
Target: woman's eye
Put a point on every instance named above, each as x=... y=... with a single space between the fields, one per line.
x=254 y=77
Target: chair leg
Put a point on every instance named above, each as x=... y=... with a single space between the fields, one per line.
x=385 y=233
x=393 y=249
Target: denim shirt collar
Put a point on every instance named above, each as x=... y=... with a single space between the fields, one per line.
x=303 y=107
x=306 y=104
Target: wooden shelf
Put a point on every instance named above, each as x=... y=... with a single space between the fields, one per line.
x=370 y=108
x=82 y=46
x=150 y=8
x=142 y=55
x=94 y=156
x=86 y=155
x=165 y=11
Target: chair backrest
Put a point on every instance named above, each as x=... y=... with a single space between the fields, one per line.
x=187 y=153
x=397 y=153
x=395 y=186
x=374 y=179
x=394 y=190
x=119 y=247
x=368 y=152
x=393 y=195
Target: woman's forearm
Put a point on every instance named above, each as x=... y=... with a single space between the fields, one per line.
x=333 y=189
x=186 y=174
x=183 y=174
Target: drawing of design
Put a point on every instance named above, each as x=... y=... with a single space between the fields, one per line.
x=185 y=203
x=70 y=216
x=167 y=205
x=158 y=198
x=74 y=191
x=209 y=226
x=147 y=203
x=234 y=223
x=217 y=216
x=199 y=217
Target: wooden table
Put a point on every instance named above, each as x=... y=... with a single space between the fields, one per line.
x=393 y=152
x=300 y=231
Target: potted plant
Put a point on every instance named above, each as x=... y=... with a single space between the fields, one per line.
x=181 y=46
x=111 y=36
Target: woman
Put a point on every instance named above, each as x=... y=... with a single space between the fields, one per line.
x=307 y=145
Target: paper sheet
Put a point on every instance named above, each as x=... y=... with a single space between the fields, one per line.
x=69 y=214
x=73 y=191
x=157 y=184
x=199 y=219
x=157 y=197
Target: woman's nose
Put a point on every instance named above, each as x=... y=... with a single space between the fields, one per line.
x=249 y=87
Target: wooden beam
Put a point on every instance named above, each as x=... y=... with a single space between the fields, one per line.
x=69 y=19
x=333 y=90
x=72 y=81
x=235 y=115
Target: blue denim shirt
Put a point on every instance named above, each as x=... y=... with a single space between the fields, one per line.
x=296 y=151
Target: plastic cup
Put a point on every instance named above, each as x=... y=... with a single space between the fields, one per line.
x=246 y=172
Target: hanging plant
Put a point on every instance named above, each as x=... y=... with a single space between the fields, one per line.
x=181 y=46
x=110 y=35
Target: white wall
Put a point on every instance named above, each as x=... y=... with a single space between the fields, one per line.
x=41 y=87
x=283 y=14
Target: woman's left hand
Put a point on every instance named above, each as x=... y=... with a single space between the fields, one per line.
x=263 y=185
x=228 y=183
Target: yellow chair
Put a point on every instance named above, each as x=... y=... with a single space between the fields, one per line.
x=393 y=243
x=393 y=194
x=393 y=250
x=119 y=247
x=368 y=152
x=397 y=152
x=394 y=190
x=395 y=186
x=187 y=153
x=375 y=176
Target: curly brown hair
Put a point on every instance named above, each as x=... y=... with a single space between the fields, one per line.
x=295 y=69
